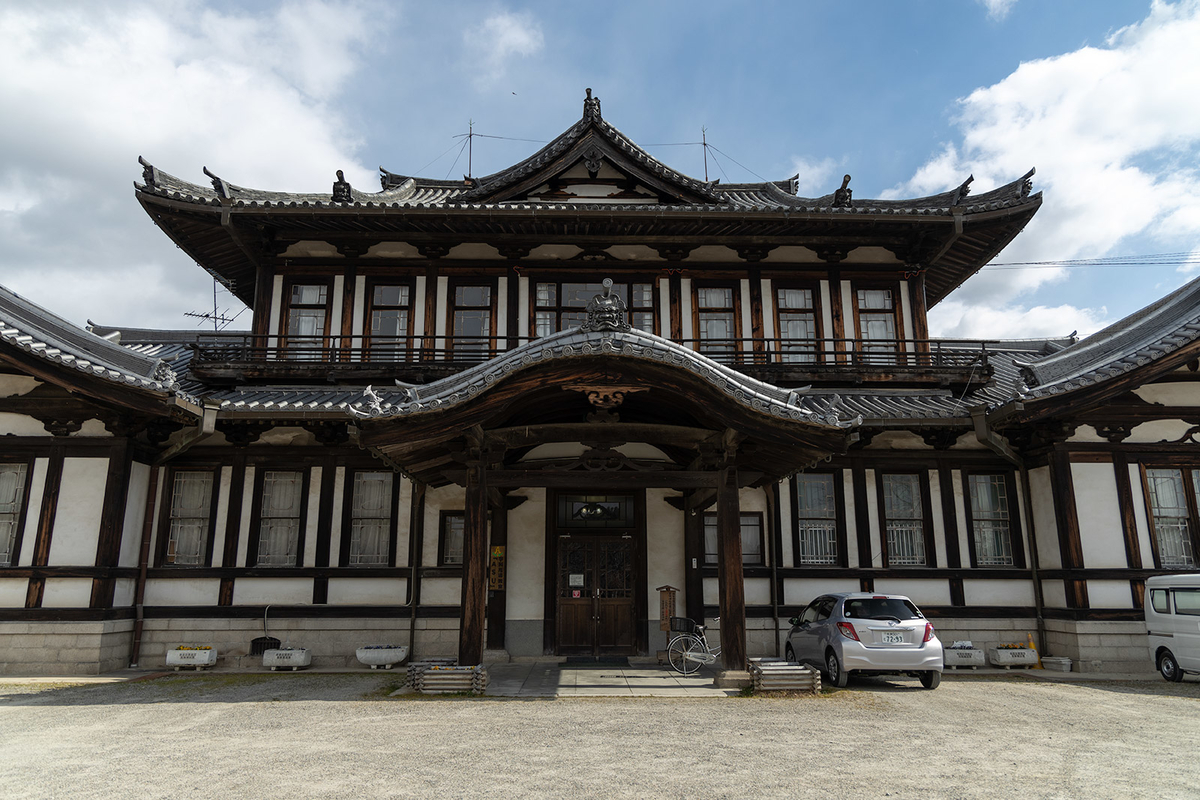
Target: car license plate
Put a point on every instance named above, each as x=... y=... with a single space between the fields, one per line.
x=893 y=637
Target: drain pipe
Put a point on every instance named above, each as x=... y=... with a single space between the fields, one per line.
x=1000 y=447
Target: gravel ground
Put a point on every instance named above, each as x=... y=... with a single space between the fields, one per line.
x=310 y=735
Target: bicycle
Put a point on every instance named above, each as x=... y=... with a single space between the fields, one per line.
x=688 y=649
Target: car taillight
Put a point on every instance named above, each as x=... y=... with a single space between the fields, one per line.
x=847 y=630
x=928 y=631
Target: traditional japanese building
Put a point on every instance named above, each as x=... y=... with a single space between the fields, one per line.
x=493 y=417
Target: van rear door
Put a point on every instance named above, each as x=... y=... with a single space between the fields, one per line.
x=1187 y=628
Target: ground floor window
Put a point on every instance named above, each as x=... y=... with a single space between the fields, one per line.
x=279 y=519
x=450 y=545
x=191 y=518
x=816 y=519
x=1171 y=495
x=12 y=502
x=904 y=520
x=752 y=539
x=991 y=520
x=370 y=520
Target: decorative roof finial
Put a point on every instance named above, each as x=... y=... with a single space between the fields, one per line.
x=842 y=198
x=606 y=312
x=341 y=189
x=591 y=106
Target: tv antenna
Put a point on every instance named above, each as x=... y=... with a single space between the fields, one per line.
x=219 y=318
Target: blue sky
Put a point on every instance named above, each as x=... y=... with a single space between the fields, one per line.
x=908 y=97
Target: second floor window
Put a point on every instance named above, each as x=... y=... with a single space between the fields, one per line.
x=877 y=324
x=796 y=311
x=279 y=519
x=471 y=320
x=904 y=521
x=716 y=319
x=816 y=520
x=12 y=502
x=370 y=520
x=390 y=322
x=562 y=306
x=307 y=320
x=1171 y=494
x=191 y=512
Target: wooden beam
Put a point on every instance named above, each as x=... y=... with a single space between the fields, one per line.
x=474 y=581
x=516 y=478
x=729 y=572
x=1133 y=549
x=112 y=520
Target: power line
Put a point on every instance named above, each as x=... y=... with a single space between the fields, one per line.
x=1130 y=261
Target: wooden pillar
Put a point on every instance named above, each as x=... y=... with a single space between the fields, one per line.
x=497 y=604
x=474 y=581
x=1070 y=545
x=264 y=278
x=112 y=522
x=729 y=571
x=693 y=553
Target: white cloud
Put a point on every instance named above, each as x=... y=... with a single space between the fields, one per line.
x=1114 y=132
x=1191 y=263
x=997 y=9
x=816 y=177
x=95 y=85
x=497 y=40
x=967 y=321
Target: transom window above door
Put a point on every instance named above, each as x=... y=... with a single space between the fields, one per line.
x=560 y=306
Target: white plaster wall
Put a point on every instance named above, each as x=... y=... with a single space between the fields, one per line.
x=526 y=557
x=186 y=591
x=358 y=318
x=712 y=592
x=873 y=515
x=404 y=516
x=443 y=498
x=906 y=316
x=92 y=429
x=747 y=325
x=33 y=509
x=77 y=521
x=998 y=592
x=960 y=518
x=335 y=319
x=13 y=591
x=854 y=558
x=222 y=522
x=685 y=307
x=21 y=425
x=124 y=592
x=768 y=308
x=664 y=308
x=802 y=591
x=1042 y=501
x=264 y=591
x=335 y=516
x=935 y=514
x=441 y=591
x=443 y=288
x=244 y=525
x=501 y=312
x=664 y=549
x=135 y=515
x=67 y=593
x=934 y=592
x=418 y=307
x=1054 y=594
x=1138 y=498
x=367 y=591
x=826 y=313
x=848 y=310
x=158 y=501
x=276 y=304
x=1167 y=430
x=787 y=523
x=1086 y=433
x=1170 y=394
x=1099 y=515
x=17 y=385
x=757 y=592
x=523 y=307
x=309 y=557
x=1109 y=594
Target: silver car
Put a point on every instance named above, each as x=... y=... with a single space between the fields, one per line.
x=867 y=634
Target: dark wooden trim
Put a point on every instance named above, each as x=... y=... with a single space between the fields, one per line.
x=431 y=293
x=693 y=552
x=1077 y=593
x=756 y=309
x=897 y=315
x=256 y=513
x=1137 y=593
x=958 y=596
x=1133 y=548
x=610 y=481
x=837 y=314
x=325 y=513
x=30 y=463
x=862 y=517
x=950 y=520
x=512 y=301
x=164 y=516
x=50 y=491
x=264 y=283
x=1065 y=514
x=675 y=294
x=731 y=583
x=497 y=602
x=550 y=571
x=641 y=562
x=233 y=515
x=320 y=590
x=349 y=298
x=918 y=310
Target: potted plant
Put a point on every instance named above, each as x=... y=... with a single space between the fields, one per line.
x=195 y=656
x=382 y=655
x=292 y=658
x=962 y=654
x=1012 y=655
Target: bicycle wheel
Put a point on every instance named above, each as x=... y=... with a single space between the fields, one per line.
x=677 y=650
x=694 y=656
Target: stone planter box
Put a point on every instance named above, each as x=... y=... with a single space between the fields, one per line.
x=1008 y=658
x=196 y=659
x=1058 y=663
x=953 y=659
x=293 y=659
x=381 y=657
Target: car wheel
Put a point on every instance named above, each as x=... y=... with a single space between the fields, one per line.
x=789 y=654
x=837 y=675
x=931 y=679
x=1169 y=667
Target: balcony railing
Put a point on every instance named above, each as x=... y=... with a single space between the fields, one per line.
x=428 y=357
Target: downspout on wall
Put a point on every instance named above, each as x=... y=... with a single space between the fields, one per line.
x=988 y=438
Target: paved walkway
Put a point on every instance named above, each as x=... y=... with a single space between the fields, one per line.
x=549 y=679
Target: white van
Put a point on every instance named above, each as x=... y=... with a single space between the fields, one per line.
x=1173 y=623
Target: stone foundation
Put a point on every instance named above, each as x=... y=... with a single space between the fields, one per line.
x=64 y=648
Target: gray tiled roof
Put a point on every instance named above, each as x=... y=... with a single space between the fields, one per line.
x=1137 y=340
x=29 y=327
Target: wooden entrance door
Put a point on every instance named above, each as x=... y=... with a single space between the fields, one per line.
x=597 y=581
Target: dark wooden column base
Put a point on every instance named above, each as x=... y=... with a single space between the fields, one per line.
x=474 y=582
x=729 y=572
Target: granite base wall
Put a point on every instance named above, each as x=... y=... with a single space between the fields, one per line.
x=64 y=648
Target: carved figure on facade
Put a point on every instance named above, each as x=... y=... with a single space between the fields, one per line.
x=341 y=189
x=606 y=312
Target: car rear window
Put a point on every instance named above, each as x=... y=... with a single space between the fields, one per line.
x=880 y=607
x=1187 y=601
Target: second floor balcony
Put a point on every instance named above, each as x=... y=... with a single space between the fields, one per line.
x=236 y=358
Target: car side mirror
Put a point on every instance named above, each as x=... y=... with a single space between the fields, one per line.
x=794 y=621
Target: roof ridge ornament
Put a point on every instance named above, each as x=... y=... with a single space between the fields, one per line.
x=591 y=106
x=843 y=197
x=607 y=311
x=219 y=184
x=341 y=190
